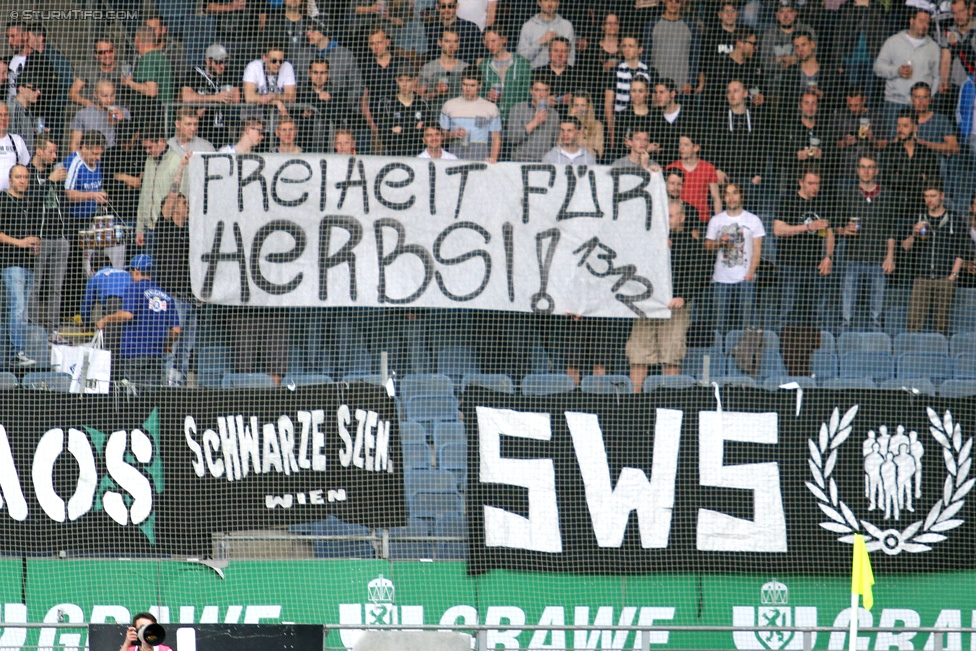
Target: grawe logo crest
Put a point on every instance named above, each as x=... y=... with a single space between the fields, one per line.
x=380 y=610
x=774 y=612
x=893 y=482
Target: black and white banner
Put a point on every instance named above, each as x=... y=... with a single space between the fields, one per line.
x=674 y=482
x=312 y=230
x=159 y=475
x=218 y=637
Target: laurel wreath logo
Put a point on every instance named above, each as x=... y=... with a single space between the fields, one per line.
x=916 y=537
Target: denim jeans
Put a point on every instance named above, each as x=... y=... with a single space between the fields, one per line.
x=179 y=359
x=744 y=294
x=856 y=273
x=17 y=281
x=801 y=295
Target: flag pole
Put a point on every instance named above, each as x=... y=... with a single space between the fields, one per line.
x=862 y=578
x=854 y=612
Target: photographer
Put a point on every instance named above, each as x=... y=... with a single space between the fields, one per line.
x=132 y=635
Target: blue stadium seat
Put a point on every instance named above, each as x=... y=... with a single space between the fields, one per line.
x=451 y=525
x=500 y=383
x=653 y=382
x=920 y=384
x=896 y=320
x=964 y=366
x=8 y=381
x=401 y=549
x=958 y=388
x=694 y=362
x=879 y=366
x=924 y=365
x=412 y=432
x=964 y=342
x=453 y=457
x=606 y=384
x=432 y=384
x=357 y=361
x=247 y=381
x=430 y=504
x=735 y=381
x=873 y=342
x=416 y=456
x=449 y=433
x=434 y=481
x=426 y=409
x=456 y=362
x=47 y=381
x=824 y=365
x=845 y=383
x=774 y=383
x=921 y=342
x=212 y=363
x=827 y=341
x=305 y=379
x=963 y=317
x=333 y=526
x=547 y=385
x=368 y=378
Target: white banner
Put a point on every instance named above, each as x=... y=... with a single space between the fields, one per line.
x=313 y=230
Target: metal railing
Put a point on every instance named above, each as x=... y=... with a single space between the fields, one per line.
x=481 y=632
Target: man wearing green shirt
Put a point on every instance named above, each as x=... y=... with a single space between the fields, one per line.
x=151 y=82
x=507 y=76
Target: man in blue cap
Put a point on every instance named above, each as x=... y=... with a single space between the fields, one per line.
x=150 y=324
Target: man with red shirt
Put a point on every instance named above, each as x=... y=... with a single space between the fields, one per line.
x=701 y=179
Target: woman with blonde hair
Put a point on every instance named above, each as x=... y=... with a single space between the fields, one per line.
x=591 y=135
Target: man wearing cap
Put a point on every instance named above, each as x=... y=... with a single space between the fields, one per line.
x=150 y=325
x=213 y=84
x=22 y=106
x=777 y=43
x=344 y=71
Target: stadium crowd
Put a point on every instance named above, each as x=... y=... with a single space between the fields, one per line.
x=812 y=151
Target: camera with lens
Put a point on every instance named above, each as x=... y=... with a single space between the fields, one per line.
x=151 y=634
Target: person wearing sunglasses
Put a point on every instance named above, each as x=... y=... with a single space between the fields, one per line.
x=22 y=107
x=471 y=48
x=104 y=64
x=270 y=80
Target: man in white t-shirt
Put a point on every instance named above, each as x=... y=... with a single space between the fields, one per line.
x=270 y=80
x=13 y=149
x=433 y=138
x=737 y=236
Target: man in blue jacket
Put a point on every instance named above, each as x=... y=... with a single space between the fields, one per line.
x=107 y=287
x=150 y=324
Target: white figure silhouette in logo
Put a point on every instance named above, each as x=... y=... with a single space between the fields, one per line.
x=889 y=486
x=905 y=465
x=872 y=475
x=915 y=447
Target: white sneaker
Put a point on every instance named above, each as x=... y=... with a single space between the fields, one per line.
x=21 y=359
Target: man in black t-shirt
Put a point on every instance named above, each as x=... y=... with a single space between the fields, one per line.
x=19 y=245
x=379 y=78
x=804 y=250
x=214 y=84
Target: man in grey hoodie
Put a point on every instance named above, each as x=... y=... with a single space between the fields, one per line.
x=540 y=29
x=908 y=57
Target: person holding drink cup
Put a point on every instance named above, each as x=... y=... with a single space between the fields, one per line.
x=908 y=57
x=870 y=250
x=937 y=243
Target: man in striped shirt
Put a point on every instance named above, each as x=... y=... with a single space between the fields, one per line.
x=617 y=95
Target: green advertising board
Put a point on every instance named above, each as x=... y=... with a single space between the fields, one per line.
x=411 y=593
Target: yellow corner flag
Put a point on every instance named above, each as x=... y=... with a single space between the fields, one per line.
x=862 y=577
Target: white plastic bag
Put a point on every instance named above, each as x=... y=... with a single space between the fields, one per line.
x=89 y=365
